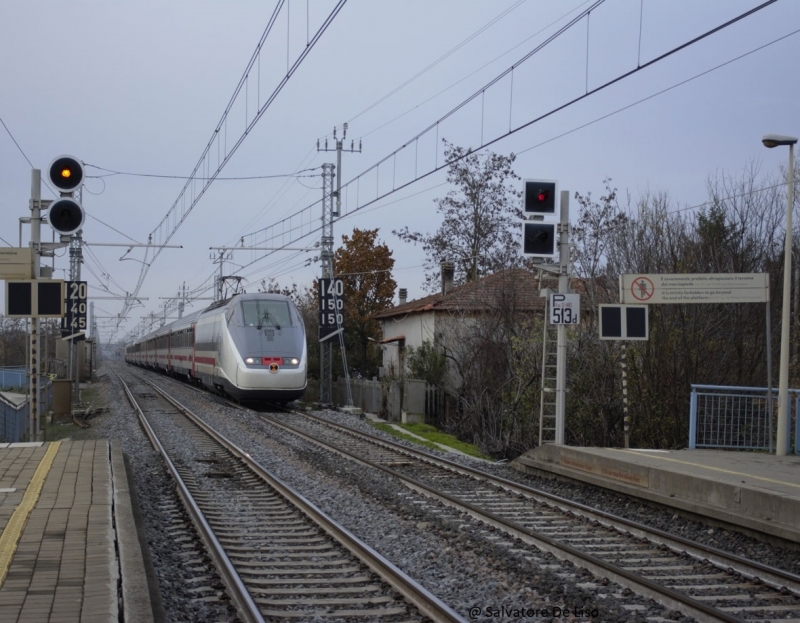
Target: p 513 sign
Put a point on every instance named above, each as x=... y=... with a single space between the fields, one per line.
x=565 y=308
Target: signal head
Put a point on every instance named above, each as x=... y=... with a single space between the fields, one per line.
x=66 y=173
x=66 y=216
x=540 y=197
x=538 y=239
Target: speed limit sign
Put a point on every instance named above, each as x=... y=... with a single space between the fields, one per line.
x=565 y=308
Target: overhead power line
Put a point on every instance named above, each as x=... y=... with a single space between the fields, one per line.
x=217 y=152
x=111 y=172
x=300 y=224
x=657 y=93
x=16 y=143
x=450 y=52
x=472 y=73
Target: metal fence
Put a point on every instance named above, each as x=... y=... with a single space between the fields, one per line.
x=13 y=417
x=13 y=377
x=737 y=418
x=14 y=410
x=393 y=398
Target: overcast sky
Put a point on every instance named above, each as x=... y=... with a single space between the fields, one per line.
x=139 y=87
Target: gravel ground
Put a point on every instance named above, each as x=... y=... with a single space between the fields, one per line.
x=476 y=571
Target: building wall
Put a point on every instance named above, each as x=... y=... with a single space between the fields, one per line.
x=415 y=327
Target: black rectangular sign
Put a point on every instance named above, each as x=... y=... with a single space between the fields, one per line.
x=331 y=304
x=74 y=321
x=35 y=298
x=623 y=322
x=19 y=299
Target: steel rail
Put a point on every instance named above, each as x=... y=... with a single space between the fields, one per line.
x=600 y=568
x=236 y=589
x=427 y=603
x=777 y=578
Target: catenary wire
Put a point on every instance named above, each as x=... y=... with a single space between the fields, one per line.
x=472 y=73
x=363 y=209
x=17 y=144
x=111 y=172
x=450 y=52
x=599 y=88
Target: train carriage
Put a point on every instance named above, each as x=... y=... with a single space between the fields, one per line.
x=251 y=347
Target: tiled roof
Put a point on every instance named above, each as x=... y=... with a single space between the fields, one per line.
x=518 y=286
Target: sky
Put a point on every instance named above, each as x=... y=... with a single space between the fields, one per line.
x=140 y=88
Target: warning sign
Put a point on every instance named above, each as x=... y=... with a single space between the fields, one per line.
x=642 y=288
x=694 y=288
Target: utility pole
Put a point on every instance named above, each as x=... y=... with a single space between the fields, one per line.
x=75 y=261
x=329 y=211
x=537 y=236
x=326 y=262
x=561 y=347
x=33 y=372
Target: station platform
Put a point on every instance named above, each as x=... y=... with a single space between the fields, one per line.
x=69 y=549
x=756 y=491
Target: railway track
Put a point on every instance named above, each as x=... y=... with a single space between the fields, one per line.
x=689 y=577
x=277 y=554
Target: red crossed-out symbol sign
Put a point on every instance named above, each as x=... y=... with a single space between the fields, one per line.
x=642 y=289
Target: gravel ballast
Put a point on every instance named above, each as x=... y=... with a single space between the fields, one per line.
x=482 y=574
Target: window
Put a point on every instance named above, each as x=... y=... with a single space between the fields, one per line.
x=266 y=314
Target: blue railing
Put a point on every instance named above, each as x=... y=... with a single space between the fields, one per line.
x=737 y=418
x=14 y=410
x=13 y=377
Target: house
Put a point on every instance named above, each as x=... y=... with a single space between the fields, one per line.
x=411 y=323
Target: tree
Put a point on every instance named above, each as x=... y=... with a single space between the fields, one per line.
x=426 y=363
x=719 y=344
x=13 y=341
x=480 y=218
x=365 y=268
x=495 y=352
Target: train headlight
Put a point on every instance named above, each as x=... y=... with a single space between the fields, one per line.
x=252 y=361
x=294 y=361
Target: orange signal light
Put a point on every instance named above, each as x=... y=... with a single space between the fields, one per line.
x=66 y=173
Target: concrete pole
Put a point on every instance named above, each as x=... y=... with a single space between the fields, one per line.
x=33 y=371
x=783 y=382
x=561 y=344
x=626 y=421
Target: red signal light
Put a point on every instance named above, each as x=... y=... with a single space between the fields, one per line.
x=539 y=198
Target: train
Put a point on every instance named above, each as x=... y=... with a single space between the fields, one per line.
x=251 y=347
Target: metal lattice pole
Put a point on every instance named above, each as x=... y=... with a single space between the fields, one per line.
x=75 y=261
x=326 y=261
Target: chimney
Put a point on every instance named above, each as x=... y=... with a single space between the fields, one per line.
x=448 y=272
x=403 y=295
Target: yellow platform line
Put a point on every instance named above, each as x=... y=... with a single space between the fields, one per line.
x=16 y=524
x=714 y=469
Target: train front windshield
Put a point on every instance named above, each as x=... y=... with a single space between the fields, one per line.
x=266 y=314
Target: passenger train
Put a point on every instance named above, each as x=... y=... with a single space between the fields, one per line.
x=251 y=347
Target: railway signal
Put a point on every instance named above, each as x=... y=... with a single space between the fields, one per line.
x=538 y=239
x=540 y=197
x=66 y=215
